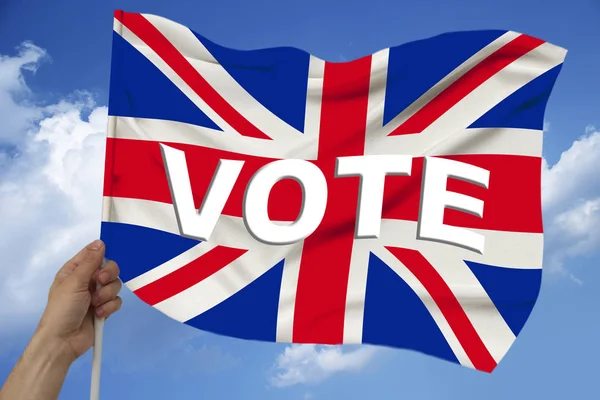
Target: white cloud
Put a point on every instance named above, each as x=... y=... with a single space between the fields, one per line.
x=51 y=177
x=575 y=175
x=301 y=364
x=571 y=200
x=571 y=233
x=581 y=220
x=51 y=163
x=16 y=113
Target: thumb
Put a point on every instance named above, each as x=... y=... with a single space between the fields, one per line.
x=91 y=261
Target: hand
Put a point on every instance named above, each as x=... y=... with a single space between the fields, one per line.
x=73 y=300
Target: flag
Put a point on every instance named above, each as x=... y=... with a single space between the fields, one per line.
x=391 y=200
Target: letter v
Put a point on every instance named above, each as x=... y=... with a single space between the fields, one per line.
x=198 y=224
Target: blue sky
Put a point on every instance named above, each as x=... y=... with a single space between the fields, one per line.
x=52 y=92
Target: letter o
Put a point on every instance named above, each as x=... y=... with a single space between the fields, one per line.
x=256 y=200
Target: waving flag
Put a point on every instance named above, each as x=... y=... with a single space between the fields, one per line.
x=187 y=116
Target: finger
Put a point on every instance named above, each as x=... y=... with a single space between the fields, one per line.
x=110 y=272
x=107 y=309
x=92 y=260
x=94 y=282
x=106 y=293
x=68 y=268
x=77 y=258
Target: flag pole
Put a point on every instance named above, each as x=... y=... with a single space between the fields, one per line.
x=99 y=322
x=97 y=352
x=106 y=208
x=97 y=358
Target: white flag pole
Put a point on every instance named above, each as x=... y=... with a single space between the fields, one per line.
x=99 y=322
x=97 y=359
x=97 y=352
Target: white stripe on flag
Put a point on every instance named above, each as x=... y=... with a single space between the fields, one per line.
x=376 y=113
x=219 y=286
x=517 y=250
x=497 y=88
x=505 y=141
x=159 y=130
x=183 y=39
x=428 y=302
x=169 y=266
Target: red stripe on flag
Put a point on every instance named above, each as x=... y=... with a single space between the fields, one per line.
x=150 y=35
x=325 y=263
x=448 y=304
x=188 y=275
x=459 y=89
x=135 y=169
x=512 y=201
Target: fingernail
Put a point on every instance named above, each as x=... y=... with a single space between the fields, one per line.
x=95 y=245
x=99 y=312
x=103 y=277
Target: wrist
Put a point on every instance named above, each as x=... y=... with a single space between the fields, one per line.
x=41 y=370
x=53 y=348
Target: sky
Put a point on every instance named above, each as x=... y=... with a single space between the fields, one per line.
x=54 y=71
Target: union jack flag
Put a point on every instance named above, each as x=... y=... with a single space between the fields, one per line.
x=477 y=97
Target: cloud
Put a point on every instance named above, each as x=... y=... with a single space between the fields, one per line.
x=307 y=364
x=571 y=200
x=51 y=166
x=580 y=221
x=51 y=177
x=51 y=163
x=575 y=175
x=16 y=112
